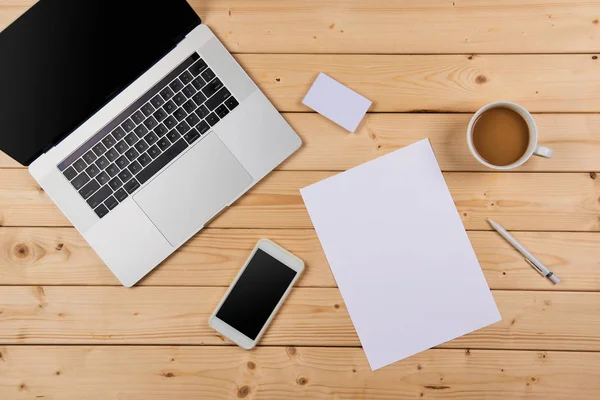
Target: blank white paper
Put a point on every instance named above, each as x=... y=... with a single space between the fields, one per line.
x=337 y=102
x=400 y=254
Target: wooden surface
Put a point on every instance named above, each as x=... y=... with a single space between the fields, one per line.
x=69 y=331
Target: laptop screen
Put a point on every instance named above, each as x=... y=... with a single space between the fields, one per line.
x=64 y=59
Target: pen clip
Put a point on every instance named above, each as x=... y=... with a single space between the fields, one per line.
x=535 y=267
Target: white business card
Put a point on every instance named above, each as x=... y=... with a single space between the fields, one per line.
x=337 y=102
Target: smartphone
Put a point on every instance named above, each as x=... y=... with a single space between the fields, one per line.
x=256 y=294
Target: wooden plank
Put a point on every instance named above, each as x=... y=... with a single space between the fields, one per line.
x=574 y=137
x=439 y=83
x=59 y=256
x=379 y=26
x=520 y=201
x=158 y=373
x=310 y=317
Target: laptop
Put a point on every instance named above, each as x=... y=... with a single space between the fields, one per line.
x=135 y=120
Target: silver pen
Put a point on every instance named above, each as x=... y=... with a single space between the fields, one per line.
x=534 y=262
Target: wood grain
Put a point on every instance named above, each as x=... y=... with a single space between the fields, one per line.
x=310 y=317
x=438 y=83
x=575 y=139
x=519 y=201
x=158 y=373
x=59 y=256
x=380 y=26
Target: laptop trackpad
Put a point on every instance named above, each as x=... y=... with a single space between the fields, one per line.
x=193 y=189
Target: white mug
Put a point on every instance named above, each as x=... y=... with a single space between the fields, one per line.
x=532 y=149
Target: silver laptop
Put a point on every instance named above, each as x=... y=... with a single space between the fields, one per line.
x=136 y=121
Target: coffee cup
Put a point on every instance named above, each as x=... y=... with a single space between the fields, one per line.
x=503 y=135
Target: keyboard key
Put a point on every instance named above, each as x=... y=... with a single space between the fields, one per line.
x=176 y=85
x=144 y=159
x=173 y=136
x=141 y=146
x=103 y=178
x=163 y=144
x=202 y=112
x=189 y=107
x=121 y=194
x=167 y=93
x=208 y=75
x=222 y=111
x=186 y=77
x=111 y=202
x=212 y=119
x=150 y=123
x=80 y=180
x=231 y=103
x=199 y=98
x=131 y=139
x=102 y=163
x=157 y=101
x=212 y=87
x=128 y=125
x=92 y=171
x=122 y=162
x=198 y=83
x=79 y=165
x=121 y=147
x=160 y=130
x=169 y=107
x=198 y=67
x=217 y=99
x=135 y=167
x=189 y=91
x=203 y=127
x=132 y=186
x=132 y=154
x=89 y=189
x=101 y=211
x=98 y=198
x=170 y=122
x=183 y=128
x=180 y=114
x=90 y=157
x=138 y=117
x=147 y=109
x=161 y=161
x=112 y=170
x=115 y=184
x=141 y=130
x=99 y=149
x=109 y=141
x=179 y=99
x=154 y=151
x=192 y=120
x=160 y=114
x=118 y=133
x=112 y=154
x=191 y=136
x=151 y=138
x=125 y=175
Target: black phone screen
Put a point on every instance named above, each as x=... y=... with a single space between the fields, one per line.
x=256 y=294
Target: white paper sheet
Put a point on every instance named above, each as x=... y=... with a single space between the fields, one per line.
x=400 y=254
x=335 y=101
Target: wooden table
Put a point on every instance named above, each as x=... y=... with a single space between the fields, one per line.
x=69 y=331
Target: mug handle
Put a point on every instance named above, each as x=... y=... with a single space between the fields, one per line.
x=543 y=152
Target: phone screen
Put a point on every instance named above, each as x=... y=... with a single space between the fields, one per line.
x=256 y=294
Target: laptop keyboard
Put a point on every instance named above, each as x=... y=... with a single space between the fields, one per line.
x=142 y=140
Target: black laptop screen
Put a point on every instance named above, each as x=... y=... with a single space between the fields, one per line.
x=64 y=59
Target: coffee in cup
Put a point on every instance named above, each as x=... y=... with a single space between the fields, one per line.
x=503 y=135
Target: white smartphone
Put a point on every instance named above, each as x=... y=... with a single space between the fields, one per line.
x=256 y=294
